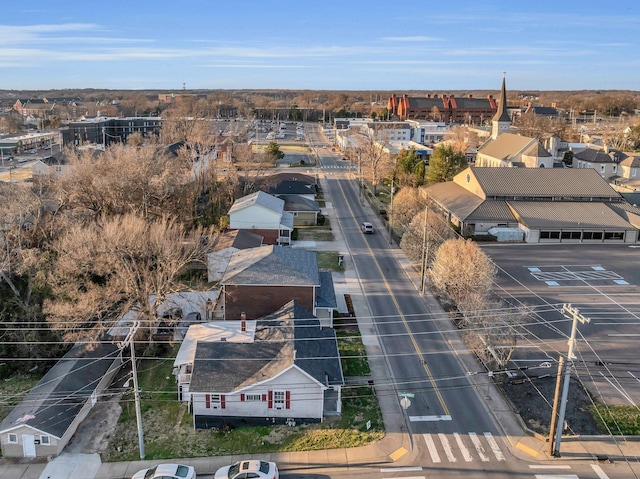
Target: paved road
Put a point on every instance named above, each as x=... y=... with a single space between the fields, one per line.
x=445 y=414
x=447 y=418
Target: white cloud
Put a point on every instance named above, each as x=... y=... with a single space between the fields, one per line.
x=415 y=38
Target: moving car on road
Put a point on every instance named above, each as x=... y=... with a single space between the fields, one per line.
x=366 y=227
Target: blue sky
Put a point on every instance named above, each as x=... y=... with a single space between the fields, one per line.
x=321 y=44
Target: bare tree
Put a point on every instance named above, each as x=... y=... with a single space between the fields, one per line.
x=144 y=180
x=406 y=204
x=491 y=328
x=419 y=244
x=19 y=225
x=375 y=161
x=460 y=269
x=102 y=269
x=541 y=127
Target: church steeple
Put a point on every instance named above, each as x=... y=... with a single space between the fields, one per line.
x=501 y=121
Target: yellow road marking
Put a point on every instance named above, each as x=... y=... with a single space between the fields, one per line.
x=404 y=320
x=527 y=449
x=398 y=453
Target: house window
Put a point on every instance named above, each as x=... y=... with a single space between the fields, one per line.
x=615 y=168
x=602 y=168
x=633 y=172
x=215 y=401
x=278 y=399
x=253 y=397
x=12 y=438
x=45 y=440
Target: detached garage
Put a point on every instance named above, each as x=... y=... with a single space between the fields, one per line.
x=46 y=419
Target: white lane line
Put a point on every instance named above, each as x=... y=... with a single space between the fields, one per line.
x=556 y=476
x=431 y=445
x=494 y=446
x=401 y=469
x=478 y=445
x=559 y=466
x=406 y=477
x=447 y=448
x=463 y=449
x=429 y=418
x=598 y=470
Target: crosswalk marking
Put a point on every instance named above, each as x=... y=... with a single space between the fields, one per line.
x=494 y=447
x=463 y=449
x=478 y=445
x=401 y=469
x=598 y=470
x=447 y=448
x=442 y=447
x=439 y=417
x=556 y=466
x=431 y=445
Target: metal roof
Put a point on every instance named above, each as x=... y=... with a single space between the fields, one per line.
x=564 y=183
x=573 y=215
x=454 y=198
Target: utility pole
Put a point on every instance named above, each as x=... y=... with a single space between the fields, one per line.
x=136 y=390
x=391 y=208
x=360 y=178
x=425 y=251
x=573 y=313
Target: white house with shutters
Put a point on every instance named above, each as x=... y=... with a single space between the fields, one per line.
x=279 y=369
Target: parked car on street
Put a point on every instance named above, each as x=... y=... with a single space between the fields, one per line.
x=249 y=469
x=166 y=471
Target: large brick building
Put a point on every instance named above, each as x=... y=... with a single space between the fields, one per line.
x=447 y=108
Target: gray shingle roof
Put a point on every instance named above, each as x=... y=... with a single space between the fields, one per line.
x=53 y=404
x=598 y=155
x=239 y=239
x=258 y=198
x=273 y=265
x=299 y=203
x=292 y=187
x=326 y=294
x=508 y=146
x=289 y=336
x=540 y=182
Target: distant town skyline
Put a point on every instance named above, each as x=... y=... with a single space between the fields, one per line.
x=321 y=45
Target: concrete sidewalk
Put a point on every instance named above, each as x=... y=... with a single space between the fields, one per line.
x=396 y=447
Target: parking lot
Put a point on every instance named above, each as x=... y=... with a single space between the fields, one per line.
x=603 y=283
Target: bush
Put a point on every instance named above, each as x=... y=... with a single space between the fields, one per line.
x=321 y=219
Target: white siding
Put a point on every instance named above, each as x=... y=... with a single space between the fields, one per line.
x=306 y=399
x=254 y=216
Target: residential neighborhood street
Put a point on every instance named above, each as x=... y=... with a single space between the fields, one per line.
x=443 y=417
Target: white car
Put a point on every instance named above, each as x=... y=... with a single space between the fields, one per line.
x=249 y=470
x=166 y=471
